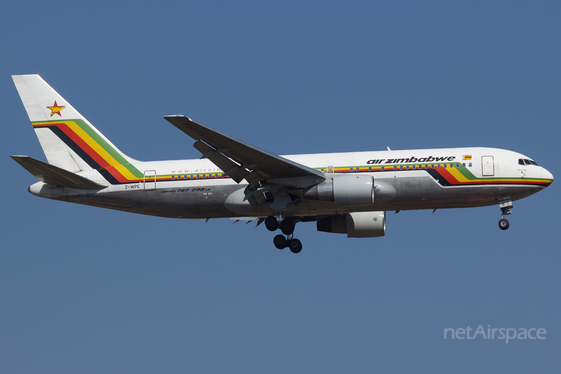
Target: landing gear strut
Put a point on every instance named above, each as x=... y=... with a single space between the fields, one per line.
x=505 y=206
x=287 y=227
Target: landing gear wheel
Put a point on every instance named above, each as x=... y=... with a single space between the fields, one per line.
x=295 y=245
x=271 y=223
x=287 y=227
x=504 y=224
x=280 y=242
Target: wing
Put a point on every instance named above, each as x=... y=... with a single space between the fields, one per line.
x=240 y=160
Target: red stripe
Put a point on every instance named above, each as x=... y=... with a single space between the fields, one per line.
x=446 y=174
x=89 y=150
x=452 y=180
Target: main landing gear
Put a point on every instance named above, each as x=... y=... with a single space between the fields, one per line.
x=505 y=206
x=287 y=226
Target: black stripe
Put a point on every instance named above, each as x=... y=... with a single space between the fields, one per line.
x=83 y=155
x=439 y=178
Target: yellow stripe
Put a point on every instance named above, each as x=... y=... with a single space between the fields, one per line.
x=96 y=147
x=458 y=175
x=99 y=150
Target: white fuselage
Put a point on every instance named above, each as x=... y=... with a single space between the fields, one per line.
x=405 y=179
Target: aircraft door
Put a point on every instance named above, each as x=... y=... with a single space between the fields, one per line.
x=149 y=180
x=487 y=166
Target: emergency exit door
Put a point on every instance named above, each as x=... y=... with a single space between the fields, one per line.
x=150 y=180
x=488 y=166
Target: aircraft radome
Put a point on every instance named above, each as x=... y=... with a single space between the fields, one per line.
x=346 y=193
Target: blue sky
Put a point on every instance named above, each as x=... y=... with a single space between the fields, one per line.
x=89 y=290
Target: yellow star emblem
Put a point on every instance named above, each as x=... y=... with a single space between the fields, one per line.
x=55 y=109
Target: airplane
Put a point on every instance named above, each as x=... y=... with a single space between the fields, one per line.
x=347 y=193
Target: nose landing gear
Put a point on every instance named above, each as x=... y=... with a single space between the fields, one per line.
x=505 y=206
x=287 y=227
x=504 y=224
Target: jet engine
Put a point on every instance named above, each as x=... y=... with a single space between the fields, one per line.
x=344 y=190
x=355 y=225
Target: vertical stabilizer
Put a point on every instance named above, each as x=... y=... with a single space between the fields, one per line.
x=68 y=139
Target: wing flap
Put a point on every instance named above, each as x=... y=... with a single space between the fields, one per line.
x=229 y=167
x=225 y=150
x=54 y=175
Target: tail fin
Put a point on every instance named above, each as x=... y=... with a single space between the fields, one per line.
x=69 y=141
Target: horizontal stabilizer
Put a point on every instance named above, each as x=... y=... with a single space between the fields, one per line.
x=54 y=175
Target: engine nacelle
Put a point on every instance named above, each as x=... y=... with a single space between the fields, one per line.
x=355 y=225
x=344 y=190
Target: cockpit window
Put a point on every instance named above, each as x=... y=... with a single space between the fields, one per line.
x=525 y=161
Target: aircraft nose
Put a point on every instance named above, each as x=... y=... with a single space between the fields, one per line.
x=547 y=175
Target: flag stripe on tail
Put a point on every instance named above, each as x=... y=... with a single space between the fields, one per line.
x=94 y=150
